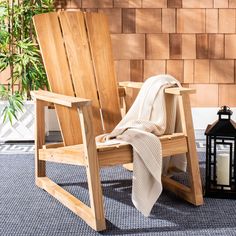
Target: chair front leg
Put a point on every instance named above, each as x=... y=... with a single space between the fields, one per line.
x=40 y=166
x=92 y=168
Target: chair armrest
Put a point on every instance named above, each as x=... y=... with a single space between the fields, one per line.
x=175 y=90
x=180 y=90
x=59 y=99
x=130 y=84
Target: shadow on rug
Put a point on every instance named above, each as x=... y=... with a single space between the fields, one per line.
x=28 y=210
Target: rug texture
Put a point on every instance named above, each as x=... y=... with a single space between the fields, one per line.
x=28 y=210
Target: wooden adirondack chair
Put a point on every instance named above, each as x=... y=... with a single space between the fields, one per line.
x=77 y=54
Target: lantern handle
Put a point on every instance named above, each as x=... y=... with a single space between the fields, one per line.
x=225 y=110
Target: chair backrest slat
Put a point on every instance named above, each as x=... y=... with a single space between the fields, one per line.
x=77 y=54
x=58 y=74
x=101 y=51
x=81 y=67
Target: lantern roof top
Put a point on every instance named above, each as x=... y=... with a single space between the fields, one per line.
x=223 y=126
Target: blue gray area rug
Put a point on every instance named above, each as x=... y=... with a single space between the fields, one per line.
x=28 y=210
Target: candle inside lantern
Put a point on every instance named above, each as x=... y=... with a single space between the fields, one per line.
x=222 y=168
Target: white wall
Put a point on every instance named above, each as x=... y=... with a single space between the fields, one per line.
x=201 y=117
x=204 y=116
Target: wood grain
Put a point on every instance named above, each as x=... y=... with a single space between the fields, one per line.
x=175 y=46
x=176 y=69
x=157 y=46
x=174 y=3
x=192 y=158
x=227 y=95
x=201 y=71
x=222 y=71
x=58 y=73
x=202 y=46
x=92 y=168
x=68 y=101
x=154 y=67
x=226 y=20
x=148 y=20
x=101 y=50
x=79 y=58
x=40 y=166
x=230 y=46
x=188 y=71
x=168 y=20
x=216 y=46
x=68 y=200
x=128 y=20
x=212 y=20
x=191 y=21
x=136 y=70
x=188 y=46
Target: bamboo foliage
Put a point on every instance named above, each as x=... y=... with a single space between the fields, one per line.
x=20 y=52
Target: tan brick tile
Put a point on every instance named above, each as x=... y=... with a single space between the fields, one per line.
x=136 y=70
x=168 y=20
x=221 y=3
x=154 y=67
x=122 y=70
x=188 y=71
x=226 y=20
x=175 y=46
x=191 y=21
x=128 y=20
x=230 y=46
x=148 y=20
x=222 y=71
x=175 y=68
x=128 y=46
x=206 y=95
x=211 y=20
x=157 y=46
x=128 y=3
x=174 y=3
x=62 y=4
x=185 y=85
x=202 y=46
x=91 y=9
x=97 y=3
x=114 y=18
x=188 y=46
x=75 y=4
x=216 y=46
x=232 y=3
x=197 y=3
x=154 y=4
x=201 y=71
x=227 y=95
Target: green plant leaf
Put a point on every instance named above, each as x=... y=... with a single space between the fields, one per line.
x=19 y=50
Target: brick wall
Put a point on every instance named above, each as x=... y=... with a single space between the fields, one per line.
x=193 y=40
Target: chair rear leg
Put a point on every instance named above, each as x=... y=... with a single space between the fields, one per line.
x=192 y=158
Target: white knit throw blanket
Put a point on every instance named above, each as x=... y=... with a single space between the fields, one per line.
x=141 y=126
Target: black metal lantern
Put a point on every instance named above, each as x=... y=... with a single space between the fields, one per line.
x=221 y=156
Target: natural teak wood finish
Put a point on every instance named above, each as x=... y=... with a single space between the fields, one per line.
x=76 y=50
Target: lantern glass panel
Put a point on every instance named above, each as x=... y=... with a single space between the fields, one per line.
x=222 y=163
